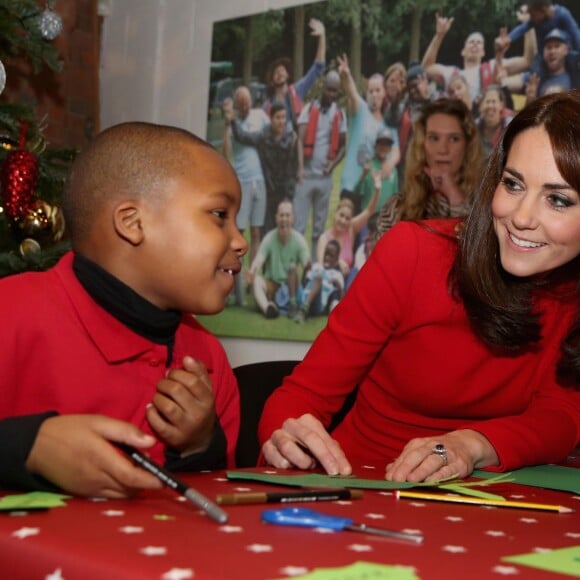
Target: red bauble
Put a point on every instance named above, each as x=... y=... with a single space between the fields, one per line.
x=18 y=180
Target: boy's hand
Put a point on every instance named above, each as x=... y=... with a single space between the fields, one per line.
x=183 y=411
x=75 y=453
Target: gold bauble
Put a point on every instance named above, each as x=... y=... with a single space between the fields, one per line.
x=29 y=246
x=43 y=223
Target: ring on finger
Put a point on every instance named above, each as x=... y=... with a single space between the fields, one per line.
x=440 y=450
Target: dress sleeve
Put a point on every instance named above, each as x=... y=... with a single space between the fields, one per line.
x=545 y=432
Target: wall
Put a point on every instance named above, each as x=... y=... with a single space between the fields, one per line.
x=155 y=67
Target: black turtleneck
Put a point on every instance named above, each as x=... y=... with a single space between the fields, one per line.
x=140 y=315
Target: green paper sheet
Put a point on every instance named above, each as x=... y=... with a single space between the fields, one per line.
x=362 y=571
x=32 y=501
x=320 y=480
x=547 y=476
x=563 y=560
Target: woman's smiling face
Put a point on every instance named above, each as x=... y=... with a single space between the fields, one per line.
x=536 y=213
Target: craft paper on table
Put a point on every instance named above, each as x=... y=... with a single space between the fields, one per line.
x=33 y=500
x=362 y=571
x=563 y=560
x=318 y=480
x=546 y=476
x=351 y=481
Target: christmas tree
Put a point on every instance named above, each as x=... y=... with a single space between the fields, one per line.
x=32 y=174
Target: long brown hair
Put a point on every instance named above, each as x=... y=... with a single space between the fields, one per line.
x=499 y=305
x=417 y=186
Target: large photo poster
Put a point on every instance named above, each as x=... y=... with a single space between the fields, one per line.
x=315 y=106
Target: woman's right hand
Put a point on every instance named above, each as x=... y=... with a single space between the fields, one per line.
x=304 y=443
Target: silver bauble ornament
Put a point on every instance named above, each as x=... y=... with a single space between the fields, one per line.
x=2 y=77
x=50 y=24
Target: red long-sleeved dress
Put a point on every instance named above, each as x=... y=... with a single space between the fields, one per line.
x=400 y=335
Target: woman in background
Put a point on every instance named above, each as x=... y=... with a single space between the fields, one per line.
x=443 y=165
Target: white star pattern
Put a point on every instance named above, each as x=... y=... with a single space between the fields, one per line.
x=412 y=531
x=113 y=513
x=495 y=533
x=454 y=518
x=242 y=489
x=505 y=570
x=540 y=550
x=454 y=549
x=417 y=504
x=368 y=467
x=259 y=548
x=271 y=472
x=131 y=530
x=18 y=514
x=375 y=516
x=528 y=520
x=231 y=529
x=344 y=502
x=220 y=479
x=572 y=534
x=26 y=532
x=56 y=575
x=293 y=570
x=98 y=499
x=576 y=497
x=153 y=551
x=517 y=496
x=386 y=493
x=324 y=530
x=360 y=548
x=178 y=574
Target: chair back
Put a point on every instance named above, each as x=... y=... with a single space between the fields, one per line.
x=256 y=382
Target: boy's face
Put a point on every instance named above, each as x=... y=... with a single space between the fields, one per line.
x=382 y=149
x=191 y=247
x=330 y=258
x=279 y=122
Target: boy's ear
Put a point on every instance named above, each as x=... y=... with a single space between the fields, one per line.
x=127 y=221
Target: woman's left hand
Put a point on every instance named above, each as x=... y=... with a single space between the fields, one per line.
x=462 y=452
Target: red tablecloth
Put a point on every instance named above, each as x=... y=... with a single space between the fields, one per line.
x=159 y=536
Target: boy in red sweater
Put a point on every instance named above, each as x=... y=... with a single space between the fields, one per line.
x=104 y=347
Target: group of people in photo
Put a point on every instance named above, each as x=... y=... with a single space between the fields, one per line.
x=319 y=161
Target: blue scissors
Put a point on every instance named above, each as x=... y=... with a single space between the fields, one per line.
x=293 y=516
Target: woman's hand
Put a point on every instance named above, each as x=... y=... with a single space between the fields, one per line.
x=445 y=183
x=304 y=443
x=465 y=450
